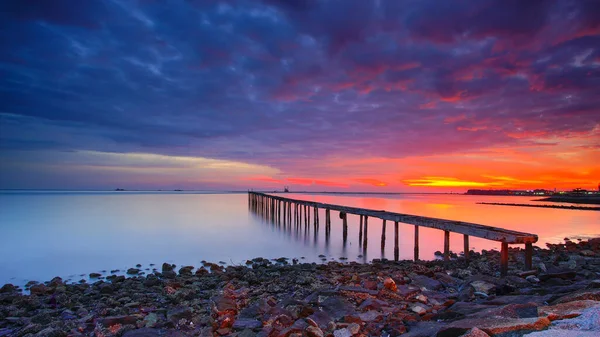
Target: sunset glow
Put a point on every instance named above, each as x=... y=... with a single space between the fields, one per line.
x=391 y=96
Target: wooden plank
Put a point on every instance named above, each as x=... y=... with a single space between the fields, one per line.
x=461 y=227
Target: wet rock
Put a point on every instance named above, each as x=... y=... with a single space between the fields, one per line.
x=150 y=320
x=167 y=267
x=186 y=271
x=483 y=287
x=133 y=271
x=425 y=283
x=95 y=275
x=532 y=279
x=475 y=332
x=8 y=288
x=246 y=323
x=565 y=275
x=181 y=312
x=38 y=289
x=390 y=284
x=122 y=320
x=567 y=310
x=418 y=308
x=143 y=332
x=51 y=332
x=313 y=331
x=495 y=326
x=579 y=296
x=337 y=307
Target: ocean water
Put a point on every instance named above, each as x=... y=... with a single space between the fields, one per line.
x=71 y=234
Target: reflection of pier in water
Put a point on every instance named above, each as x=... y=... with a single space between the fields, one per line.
x=294 y=216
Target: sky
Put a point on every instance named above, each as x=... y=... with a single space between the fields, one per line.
x=337 y=95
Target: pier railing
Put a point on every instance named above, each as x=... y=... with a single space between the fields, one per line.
x=276 y=207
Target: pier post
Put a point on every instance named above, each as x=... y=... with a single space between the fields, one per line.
x=504 y=259
x=344 y=227
x=327 y=217
x=466 y=248
x=360 y=231
x=396 y=243
x=383 y=236
x=446 y=246
x=365 y=236
x=528 y=256
x=416 y=243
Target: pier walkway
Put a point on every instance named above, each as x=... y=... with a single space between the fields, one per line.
x=276 y=208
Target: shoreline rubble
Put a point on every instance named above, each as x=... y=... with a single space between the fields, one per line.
x=286 y=298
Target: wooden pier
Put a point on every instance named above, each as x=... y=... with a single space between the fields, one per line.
x=276 y=208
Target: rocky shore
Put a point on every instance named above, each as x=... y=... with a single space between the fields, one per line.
x=560 y=297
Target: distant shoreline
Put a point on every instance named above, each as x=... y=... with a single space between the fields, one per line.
x=584 y=208
x=594 y=200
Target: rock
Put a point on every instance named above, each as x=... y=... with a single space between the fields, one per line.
x=186 y=271
x=106 y=288
x=418 y=308
x=95 y=275
x=167 y=267
x=483 y=287
x=372 y=303
x=133 y=271
x=587 y=252
x=589 y=320
x=246 y=323
x=150 y=320
x=313 y=331
x=345 y=332
x=38 y=289
x=175 y=314
x=533 y=279
x=495 y=326
x=567 y=310
x=337 y=307
x=51 y=332
x=565 y=275
x=122 y=320
x=223 y=304
x=143 y=332
x=562 y=333
x=425 y=283
x=8 y=288
x=421 y=298
x=475 y=332
x=389 y=284
x=593 y=295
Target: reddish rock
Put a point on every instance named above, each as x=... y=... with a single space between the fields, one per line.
x=593 y=295
x=370 y=285
x=495 y=326
x=389 y=284
x=475 y=332
x=122 y=320
x=566 y=310
x=313 y=331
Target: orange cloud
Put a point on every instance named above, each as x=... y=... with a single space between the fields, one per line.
x=372 y=182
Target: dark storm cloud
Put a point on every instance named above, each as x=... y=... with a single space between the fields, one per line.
x=260 y=81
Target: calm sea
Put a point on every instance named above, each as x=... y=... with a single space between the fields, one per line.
x=70 y=234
